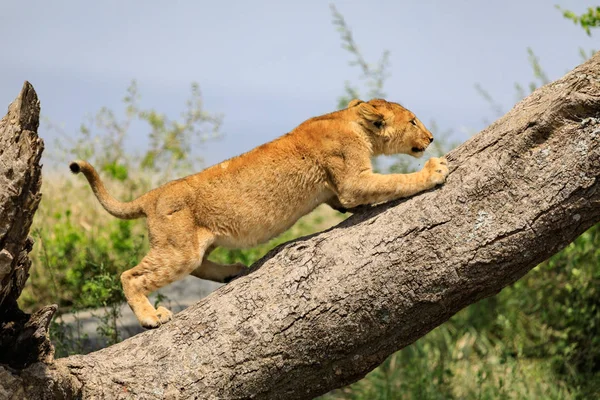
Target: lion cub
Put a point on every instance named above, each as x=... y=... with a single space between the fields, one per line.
x=253 y=197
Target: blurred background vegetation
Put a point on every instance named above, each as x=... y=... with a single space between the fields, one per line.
x=539 y=338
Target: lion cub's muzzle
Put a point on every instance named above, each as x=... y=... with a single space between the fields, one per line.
x=419 y=149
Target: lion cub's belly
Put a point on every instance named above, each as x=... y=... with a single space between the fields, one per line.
x=264 y=224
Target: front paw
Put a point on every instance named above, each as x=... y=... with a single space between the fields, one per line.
x=437 y=170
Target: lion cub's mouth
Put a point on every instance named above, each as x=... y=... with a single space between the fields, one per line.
x=417 y=149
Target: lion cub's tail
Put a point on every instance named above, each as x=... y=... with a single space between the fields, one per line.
x=128 y=210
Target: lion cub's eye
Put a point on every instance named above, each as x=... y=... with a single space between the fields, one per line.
x=378 y=124
x=412 y=121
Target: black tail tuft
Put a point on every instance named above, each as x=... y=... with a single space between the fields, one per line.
x=74 y=167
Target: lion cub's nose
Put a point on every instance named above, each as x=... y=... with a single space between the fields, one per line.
x=430 y=139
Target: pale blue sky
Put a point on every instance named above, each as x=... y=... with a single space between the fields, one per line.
x=269 y=65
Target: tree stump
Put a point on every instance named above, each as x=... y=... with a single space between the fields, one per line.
x=23 y=338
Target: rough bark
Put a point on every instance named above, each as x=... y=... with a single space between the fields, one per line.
x=23 y=338
x=320 y=312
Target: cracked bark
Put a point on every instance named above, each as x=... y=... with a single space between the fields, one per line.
x=320 y=312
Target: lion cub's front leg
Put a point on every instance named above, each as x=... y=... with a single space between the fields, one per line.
x=372 y=188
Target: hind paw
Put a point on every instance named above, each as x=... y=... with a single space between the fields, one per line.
x=164 y=315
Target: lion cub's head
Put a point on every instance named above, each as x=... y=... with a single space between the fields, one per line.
x=393 y=128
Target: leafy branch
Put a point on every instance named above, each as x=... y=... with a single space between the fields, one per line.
x=373 y=75
x=102 y=138
x=589 y=19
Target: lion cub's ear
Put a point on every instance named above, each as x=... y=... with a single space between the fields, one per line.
x=354 y=102
x=370 y=113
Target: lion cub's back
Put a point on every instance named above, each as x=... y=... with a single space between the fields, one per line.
x=253 y=197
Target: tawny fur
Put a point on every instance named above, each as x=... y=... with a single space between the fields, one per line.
x=251 y=198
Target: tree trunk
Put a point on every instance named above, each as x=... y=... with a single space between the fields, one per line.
x=320 y=312
x=23 y=338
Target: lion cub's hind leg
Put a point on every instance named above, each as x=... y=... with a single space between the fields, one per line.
x=164 y=264
x=216 y=272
